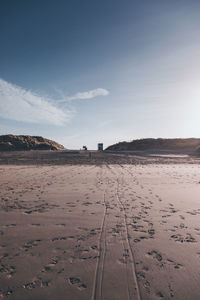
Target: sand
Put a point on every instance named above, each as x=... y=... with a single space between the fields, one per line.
x=100 y=231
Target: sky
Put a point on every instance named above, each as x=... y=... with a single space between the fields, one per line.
x=83 y=72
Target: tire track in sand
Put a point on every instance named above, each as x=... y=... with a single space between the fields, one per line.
x=132 y=284
x=133 y=287
x=97 y=286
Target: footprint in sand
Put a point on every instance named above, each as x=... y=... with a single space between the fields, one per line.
x=155 y=255
x=11 y=225
x=50 y=266
x=8 y=270
x=76 y=282
x=36 y=283
x=62 y=238
x=180 y=238
x=30 y=244
x=7 y=292
x=160 y=294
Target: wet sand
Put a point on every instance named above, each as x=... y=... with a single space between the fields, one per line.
x=100 y=231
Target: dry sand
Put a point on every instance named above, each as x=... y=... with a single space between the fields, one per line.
x=108 y=231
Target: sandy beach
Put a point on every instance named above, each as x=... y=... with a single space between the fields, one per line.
x=100 y=150
x=109 y=231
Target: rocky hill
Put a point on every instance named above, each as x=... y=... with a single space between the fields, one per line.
x=181 y=145
x=25 y=142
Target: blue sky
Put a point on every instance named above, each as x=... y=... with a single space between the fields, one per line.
x=83 y=72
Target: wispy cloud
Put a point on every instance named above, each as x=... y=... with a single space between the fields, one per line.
x=89 y=94
x=19 y=104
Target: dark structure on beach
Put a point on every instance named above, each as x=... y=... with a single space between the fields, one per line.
x=100 y=146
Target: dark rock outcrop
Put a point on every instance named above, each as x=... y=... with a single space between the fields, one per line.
x=25 y=142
